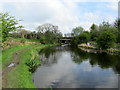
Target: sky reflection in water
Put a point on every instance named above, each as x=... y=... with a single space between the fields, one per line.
x=66 y=67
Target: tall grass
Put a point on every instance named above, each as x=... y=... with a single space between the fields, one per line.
x=34 y=61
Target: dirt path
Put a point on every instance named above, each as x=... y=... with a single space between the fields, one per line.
x=12 y=65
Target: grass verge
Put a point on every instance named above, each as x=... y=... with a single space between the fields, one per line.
x=19 y=76
x=8 y=54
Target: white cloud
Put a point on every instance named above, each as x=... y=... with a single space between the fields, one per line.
x=86 y=24
x=65 y=0
x=113 y=6
x=1 y=7
x=91 y=16
x=64 y=13
x=55 y=12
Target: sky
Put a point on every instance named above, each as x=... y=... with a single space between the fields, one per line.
x=66 y=14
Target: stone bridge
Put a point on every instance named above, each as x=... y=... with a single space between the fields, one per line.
x=65 y=40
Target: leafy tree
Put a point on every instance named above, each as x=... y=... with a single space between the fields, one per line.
x=94 y=32
x=48 y=33
x=84 y=37
x=117 y=25
x=104 y=26
x=75 y=40
x=76 y=31
x=106 y=40
x=9 y=23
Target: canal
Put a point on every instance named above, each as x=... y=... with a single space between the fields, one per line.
x=70 y=67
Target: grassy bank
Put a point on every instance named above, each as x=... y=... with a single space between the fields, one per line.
x=19 y=76
x=8 y=54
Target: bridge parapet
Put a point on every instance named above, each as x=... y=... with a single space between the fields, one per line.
x=66 y=40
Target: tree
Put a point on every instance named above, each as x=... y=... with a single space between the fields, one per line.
x=46 y=27
x=117 y=25
x=94 y=32
x=104 y=26
x=75 y=40
x=76 y=31
x=23 y=33
x=48 y=33
x=9 y=23
x=106 y=40
x=84 y=37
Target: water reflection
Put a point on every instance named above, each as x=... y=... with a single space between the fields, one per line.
x=104 y=60
x=74 y=68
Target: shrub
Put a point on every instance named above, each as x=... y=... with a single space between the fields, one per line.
x=22 y=41
x=34 y=62
x=106 y=40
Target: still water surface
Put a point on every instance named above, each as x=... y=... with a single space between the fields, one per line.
x=70 y=67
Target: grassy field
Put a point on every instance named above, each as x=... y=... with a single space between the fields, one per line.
x=19 y=76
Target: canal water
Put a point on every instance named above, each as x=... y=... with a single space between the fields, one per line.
x=70 y=67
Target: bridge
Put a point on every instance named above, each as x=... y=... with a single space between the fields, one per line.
x=65 y=40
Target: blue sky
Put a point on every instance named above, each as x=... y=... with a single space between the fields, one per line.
x=67 y=14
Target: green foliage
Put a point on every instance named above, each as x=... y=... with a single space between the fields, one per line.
x=117 y=25
x=84 y=37
x=76 y=31
x=75 y=40
x=32 y=64
x=106 y=40
x=22 y=41
x=42 y=39
x=94 y=32
x=48 y=33
x=34 y=61
x=105 y=35
x=7 y=24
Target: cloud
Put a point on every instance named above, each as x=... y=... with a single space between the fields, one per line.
x=55 y=12
x=65 y=0
x=113 y=6
x=1 y=7
x=67 y=14
x=91 y=16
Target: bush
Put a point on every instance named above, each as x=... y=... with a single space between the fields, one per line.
x=106 y=40
x=22 y=41
x=84 y=37
x=34 y=62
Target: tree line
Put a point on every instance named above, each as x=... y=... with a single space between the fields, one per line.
x=46 y=33
x=105 y=35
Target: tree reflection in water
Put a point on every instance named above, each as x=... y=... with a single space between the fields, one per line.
x=104 y=60
x=48 y=57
